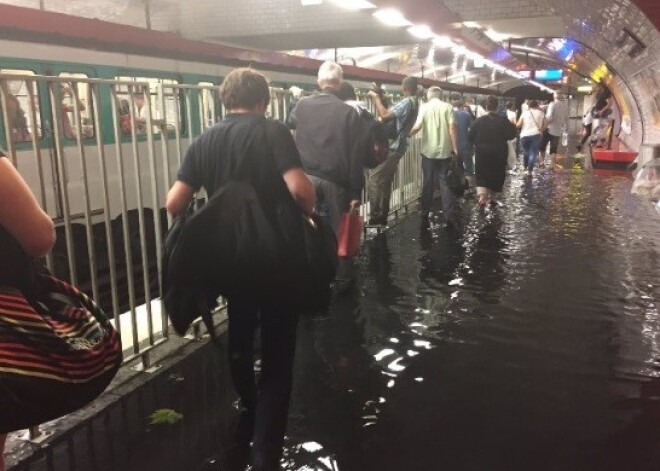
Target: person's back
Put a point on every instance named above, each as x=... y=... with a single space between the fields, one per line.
x=557 y=116
x=240 y=147
x=436 y=117
x=463 y=122
x=326 y=136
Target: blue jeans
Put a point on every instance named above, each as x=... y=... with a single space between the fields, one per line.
x=434 y=171
x=530 y=145
x=268 y=403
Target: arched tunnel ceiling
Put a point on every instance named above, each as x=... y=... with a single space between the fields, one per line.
x=606 y=38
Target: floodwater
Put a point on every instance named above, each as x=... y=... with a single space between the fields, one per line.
x=530 y=342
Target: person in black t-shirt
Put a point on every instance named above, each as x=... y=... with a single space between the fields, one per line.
x=240 y=147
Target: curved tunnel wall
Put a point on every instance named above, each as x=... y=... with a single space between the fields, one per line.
x=634 y=79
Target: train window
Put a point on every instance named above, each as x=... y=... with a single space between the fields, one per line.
x=161 y=99
x=84 y=107
x=209 y=105
x=17 y=96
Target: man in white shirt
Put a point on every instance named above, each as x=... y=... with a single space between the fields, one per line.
x=556 y=118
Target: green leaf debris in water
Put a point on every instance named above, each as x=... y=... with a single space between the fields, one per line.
x=165 y=416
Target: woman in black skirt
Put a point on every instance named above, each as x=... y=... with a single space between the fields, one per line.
x=490 y=135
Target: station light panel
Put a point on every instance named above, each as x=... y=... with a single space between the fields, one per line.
x=392 y=17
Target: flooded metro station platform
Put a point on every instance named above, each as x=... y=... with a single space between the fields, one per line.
x=528 y=341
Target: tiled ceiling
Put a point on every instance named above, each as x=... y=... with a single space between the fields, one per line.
x=594 y=26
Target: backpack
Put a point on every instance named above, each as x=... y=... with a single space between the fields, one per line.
x=376 y=135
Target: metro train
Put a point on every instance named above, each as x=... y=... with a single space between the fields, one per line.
x=99 y=135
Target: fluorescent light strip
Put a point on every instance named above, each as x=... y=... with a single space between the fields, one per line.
x=421 y=32
x=354 y=4
x=392 y=17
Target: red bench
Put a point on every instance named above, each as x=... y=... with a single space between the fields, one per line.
x=619 y=153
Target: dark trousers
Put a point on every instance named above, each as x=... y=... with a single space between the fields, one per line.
x=269 y=403
x=587 y=133
x=331 y=202
x=379 y=186
x=434 y=172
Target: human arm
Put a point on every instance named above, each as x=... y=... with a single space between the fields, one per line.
x=419 y=123
x=179 y=197
x=384 y=113
x=520 y=121
x=301 y=189
x=21 y=215
x=188 y=180
x=453 y=133
x=472 y=132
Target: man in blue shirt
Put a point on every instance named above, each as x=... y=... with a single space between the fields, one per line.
x=464 y=120
x=380 y=178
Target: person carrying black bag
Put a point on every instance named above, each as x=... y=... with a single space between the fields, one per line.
x=275 y=172
x=439 y=155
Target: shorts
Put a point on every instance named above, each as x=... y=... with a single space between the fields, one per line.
x=553 y=140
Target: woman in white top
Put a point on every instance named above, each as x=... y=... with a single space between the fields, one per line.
x=531 y=131
x=512 y=160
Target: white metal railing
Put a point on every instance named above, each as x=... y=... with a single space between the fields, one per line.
x=103 y=174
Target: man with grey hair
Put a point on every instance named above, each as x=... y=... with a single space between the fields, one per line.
x=330 y=139
x=439 y=146
x=403 y=114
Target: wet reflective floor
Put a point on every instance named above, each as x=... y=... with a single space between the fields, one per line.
x=530 y=341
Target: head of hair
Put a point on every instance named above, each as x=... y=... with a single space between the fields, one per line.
x=244 y=88
x=330 y=74
x=346 y=92
x=410 y=84
x=533 y=103
x=434 y=92
x=491 y=103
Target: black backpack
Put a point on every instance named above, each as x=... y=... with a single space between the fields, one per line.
x=377 y=140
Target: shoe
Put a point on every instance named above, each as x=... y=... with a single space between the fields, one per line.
x=378 y=222
x=340 y=287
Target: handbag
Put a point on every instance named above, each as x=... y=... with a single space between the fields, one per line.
x=455 y=177
x=350 y=234
x=57 y=353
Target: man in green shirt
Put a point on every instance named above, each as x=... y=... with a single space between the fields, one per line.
x=439 y=146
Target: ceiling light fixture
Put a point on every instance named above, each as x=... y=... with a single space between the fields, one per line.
x=307 y=3
x=354 y=4
x=392 y=17
x=443 y=42
x=421 y=32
